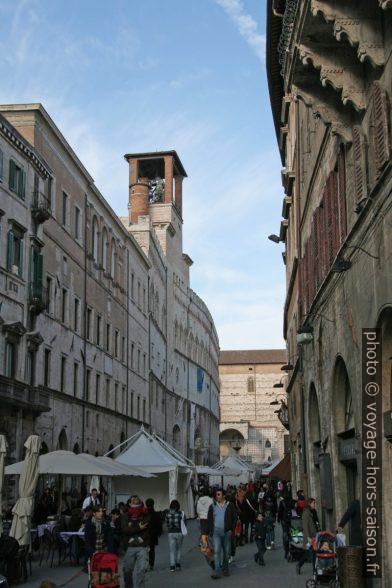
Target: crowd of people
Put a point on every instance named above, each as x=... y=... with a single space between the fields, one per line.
x=228 y=519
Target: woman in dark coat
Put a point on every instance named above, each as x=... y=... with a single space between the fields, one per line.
x=309 y=531
x=155 y=529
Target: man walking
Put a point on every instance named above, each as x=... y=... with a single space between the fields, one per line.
x=92 y=500
x=222 y=518
x=135 y=562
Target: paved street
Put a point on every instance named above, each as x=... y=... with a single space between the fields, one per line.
x=244 y=572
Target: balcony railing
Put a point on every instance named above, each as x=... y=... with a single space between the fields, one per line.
x=20 y=395
x=38 y=297
x=40 y=207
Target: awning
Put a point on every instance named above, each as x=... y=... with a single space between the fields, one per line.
x=282 y=471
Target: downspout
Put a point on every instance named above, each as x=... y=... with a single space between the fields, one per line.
x=127 y=348
x=85 y=325
x=149 y=352
x=167 y=365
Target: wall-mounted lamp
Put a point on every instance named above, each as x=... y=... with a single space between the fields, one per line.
x=341 y=265
x=274 y=238
x=286 y=367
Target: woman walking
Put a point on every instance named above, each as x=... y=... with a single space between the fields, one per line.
x=309 y=531
x=174 y=519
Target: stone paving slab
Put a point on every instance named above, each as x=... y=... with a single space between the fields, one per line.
x=277 y=573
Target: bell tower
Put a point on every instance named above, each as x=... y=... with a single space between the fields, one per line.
x=154 y=178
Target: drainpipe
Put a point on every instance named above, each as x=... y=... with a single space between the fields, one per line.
x=127 y=349
x=149 y=353
x=85 y=325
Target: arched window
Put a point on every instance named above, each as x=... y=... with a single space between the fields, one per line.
x=95 y=239
x=176 y=437
x=104 y=250
x=112 y=258
x=76 y=448
x=268 y=444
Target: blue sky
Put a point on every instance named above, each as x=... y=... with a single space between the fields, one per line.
x=130 y=76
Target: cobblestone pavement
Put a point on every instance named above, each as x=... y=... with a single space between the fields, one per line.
x=245 y=573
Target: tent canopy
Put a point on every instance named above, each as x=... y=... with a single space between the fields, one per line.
x=152 y=454
x=282 y=470
x=206 y=471
x=69 y=463
x=236 y=463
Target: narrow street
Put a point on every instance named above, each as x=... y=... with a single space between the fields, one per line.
x=244 y=572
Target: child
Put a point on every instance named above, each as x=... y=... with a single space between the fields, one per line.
x=260 y=531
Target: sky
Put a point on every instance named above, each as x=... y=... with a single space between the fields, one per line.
x=142 y=75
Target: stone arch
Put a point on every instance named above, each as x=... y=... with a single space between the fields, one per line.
x=314 y=438
x=231 y=442
x=62 y=442
x=177 y=437
x=343 y=439
x=385 y=324
x=104 y=249
x=76 y=448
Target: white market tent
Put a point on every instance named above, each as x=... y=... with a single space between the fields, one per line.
x=244 y=471
x=173 y=472
x=71 y=464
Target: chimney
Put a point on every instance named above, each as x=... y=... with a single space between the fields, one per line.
x=138 y=200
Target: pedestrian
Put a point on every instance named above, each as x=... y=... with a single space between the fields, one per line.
x=300 y=502
x=98 y=534
x=269 y=510
x=202 y=506
x=91 y=500
x=352 y=514
x=260 y=533
x=155 y=530
x=222 y=518
x=309 y=532
x=176 y=531
x=284 y=518
x=135 y=562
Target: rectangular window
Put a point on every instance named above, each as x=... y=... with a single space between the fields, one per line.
x=30 y=368
x=115 y=396
x=88 y=385
x=97 y=388
x=144 y=364
x=98 y=331
x=17 y=179
x=49 y=188
x=116 y=338
x=107 y=393
x=138 y=408
x=15 y=252
x=89 y=317
x=138 y=294
x=76 y=314
x=124 y=399
x=63 y=371
x=123 y=349
x=138 y=361
x=131 y=411
x=1 y=165
x=64 y=304
x=107 y=337
x=64 y=210
x=144 y=410
x=47 y=357
x=49 y=288
x=77 y=222
x=75 y=379
x=132 y=286
x=10 y=359
x=132 y=355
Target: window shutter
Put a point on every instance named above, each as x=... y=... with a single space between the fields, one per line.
x=359 y=156
x=379 y=128
x=333 y=178
x=10 y=251
x=22 y=184
x=20 y=272
x=322 y=239
x=39 y=263
x=329 y=222
x=342 y=195
x=11 y=179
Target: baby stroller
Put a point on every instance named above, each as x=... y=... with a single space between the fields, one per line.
x=103 y=570
x=296 y=539
x=325 y=569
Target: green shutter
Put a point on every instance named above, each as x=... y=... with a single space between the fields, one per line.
x=39 y=264
x=22 y=184
x=10 y=251
x=20 y=258
x=11 y=180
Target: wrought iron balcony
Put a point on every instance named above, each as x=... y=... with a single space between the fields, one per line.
x=20 y=395
x=38 y=297
x=40 y=207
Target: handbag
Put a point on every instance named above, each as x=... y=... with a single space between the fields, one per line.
x=184 y=530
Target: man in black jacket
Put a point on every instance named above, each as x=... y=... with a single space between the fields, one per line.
x=222 y=519
x=98 y=534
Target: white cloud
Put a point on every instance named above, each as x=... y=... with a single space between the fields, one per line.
x=246 y=24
